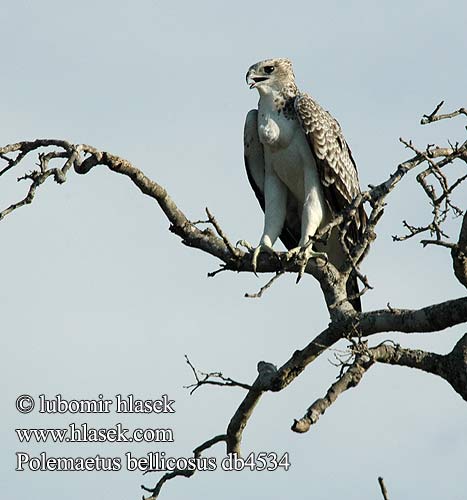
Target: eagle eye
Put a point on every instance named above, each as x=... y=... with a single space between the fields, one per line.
x=268 y=69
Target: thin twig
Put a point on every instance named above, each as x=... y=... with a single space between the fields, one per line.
x=434 y=117
x=384 y=491
x=221 y=233
x=438 y=243
x=208 y=379
x=211 y=274
x=259 y=294
x=181 y=472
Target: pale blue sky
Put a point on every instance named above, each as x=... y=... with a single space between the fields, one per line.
x=98 y=297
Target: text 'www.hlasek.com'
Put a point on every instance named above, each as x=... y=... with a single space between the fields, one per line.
x=78 y=434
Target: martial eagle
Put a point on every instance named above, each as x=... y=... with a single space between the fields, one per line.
x=299 y=166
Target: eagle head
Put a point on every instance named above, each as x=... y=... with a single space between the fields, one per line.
x=271 y=74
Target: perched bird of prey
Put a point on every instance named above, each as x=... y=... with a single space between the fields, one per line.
x=300 y=168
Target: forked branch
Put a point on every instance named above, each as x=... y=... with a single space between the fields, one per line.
x=451 y=367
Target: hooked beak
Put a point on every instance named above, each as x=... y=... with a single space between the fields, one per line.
x=252 y=80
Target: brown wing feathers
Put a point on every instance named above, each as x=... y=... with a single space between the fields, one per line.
x=336 y=166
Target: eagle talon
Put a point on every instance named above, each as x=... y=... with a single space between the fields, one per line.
x=261 y=248
x=292 y=253
x=245 y=244
x=256 y=251
x=303 y=255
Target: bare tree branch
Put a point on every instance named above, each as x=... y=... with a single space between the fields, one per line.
x=259 y=294
x=428 y=319
x=37 y=177
x=438 y=243
x=452 y=367
x=384 y=491
x=432 y=318
x=433 y=116
x=266 y=373
x=348 y=380
x=441 y=202
x=220 y=232
x=212 y=378
x=181 y=472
